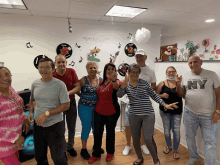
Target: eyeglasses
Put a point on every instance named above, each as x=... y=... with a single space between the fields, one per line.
x=7 y=76
x=171 y=72
x=134 y=72
x=45 y=67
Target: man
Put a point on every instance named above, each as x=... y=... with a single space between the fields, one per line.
x=69 y=77
x=147 y=74
x=199 y=88
x=51 y=99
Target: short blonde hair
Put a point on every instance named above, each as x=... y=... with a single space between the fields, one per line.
x=91 y=63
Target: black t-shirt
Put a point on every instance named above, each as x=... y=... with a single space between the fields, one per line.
x=173 y=97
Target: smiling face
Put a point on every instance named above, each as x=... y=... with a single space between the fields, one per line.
x=134 y=74
x=60 y=62
x=45 y=69
x=92 y=69
x=195 y=64
x=5 y=78
x=110 y=70
x=140 y=59
x=171 y=72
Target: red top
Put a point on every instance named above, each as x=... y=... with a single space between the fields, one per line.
x=69 y=78
x=105 y=105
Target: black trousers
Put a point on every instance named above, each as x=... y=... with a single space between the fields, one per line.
x=52 y=136
x=110 y=123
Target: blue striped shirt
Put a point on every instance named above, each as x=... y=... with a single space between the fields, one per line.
x=139 y=97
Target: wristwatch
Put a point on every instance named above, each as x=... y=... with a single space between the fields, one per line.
x=47 y=113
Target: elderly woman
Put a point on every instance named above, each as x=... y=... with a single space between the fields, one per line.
x=107 y=112
x=87 y=103
x=171 y=119
x=11 y=118
x=141 y=111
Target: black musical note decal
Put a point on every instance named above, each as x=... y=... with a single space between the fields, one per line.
x=77 y=46
x=80 y=59
x=29 y=45
x=111 y=58
x=119 y=46
x=130 y=36
x=72 y=63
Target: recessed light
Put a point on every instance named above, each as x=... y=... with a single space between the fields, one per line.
x=12 y=4
x=210 y=20
x=123 y=11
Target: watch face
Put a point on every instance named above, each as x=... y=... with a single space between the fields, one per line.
x=130 y=49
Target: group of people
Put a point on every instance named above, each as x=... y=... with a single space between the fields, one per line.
x=53 y=101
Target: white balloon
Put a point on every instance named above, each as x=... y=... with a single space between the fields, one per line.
x=142 y=35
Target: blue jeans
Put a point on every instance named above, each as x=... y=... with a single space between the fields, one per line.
x=209 y=134
x=171 y=121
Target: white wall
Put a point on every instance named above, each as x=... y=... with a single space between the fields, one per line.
x=46 y=33
x=182 y=67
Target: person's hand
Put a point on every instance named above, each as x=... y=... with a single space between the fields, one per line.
x=41 y=119
x=215 y=117
x=124 y=83
x=178 y=79
x=26 y=125
x=31 y=117
x=19 y=142
x=171 y=106
x=165 y=95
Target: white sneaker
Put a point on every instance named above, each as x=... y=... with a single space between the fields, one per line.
x=126 y=150
x=145 y=150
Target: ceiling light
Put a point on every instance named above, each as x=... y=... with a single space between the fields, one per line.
x=210 y=20
x=123 y=11
x=18 y=4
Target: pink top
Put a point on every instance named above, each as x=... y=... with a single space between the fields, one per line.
x=11 y=118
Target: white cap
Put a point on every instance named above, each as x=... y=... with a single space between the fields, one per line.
x=140 y=51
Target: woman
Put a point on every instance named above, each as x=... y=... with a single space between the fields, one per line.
x=11 y=118
x=141 y=112
x=87 y=103
x=107 y=112
x=171 y=119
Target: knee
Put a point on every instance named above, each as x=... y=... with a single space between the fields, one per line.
x=166 y=132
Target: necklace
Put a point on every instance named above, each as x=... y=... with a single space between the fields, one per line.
x=133 y=87
x=107 y=87
x=14 y=101
x=90 y=81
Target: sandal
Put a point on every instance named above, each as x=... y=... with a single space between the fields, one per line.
x=138 y=163
x=174 y=154
x=168 y=149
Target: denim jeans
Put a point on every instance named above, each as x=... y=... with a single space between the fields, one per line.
x=209 y=134
x=171 y=121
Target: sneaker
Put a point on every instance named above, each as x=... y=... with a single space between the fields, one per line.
x=93 y=159
x=145 y=150
x=191 y=162
x=72 y=152
x=84 y=153
x=126 y=150
x=109 y=157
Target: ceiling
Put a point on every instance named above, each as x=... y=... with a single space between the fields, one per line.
x=176 y=17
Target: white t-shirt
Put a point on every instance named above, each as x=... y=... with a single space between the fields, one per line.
x=148 y=74
x=200 y=95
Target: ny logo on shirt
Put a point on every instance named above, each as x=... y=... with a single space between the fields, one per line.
x=193 y=84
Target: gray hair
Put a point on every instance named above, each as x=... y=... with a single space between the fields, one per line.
x=91 y=63
x=134 y=66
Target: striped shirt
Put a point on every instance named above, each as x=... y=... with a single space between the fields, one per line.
x=139 y=99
